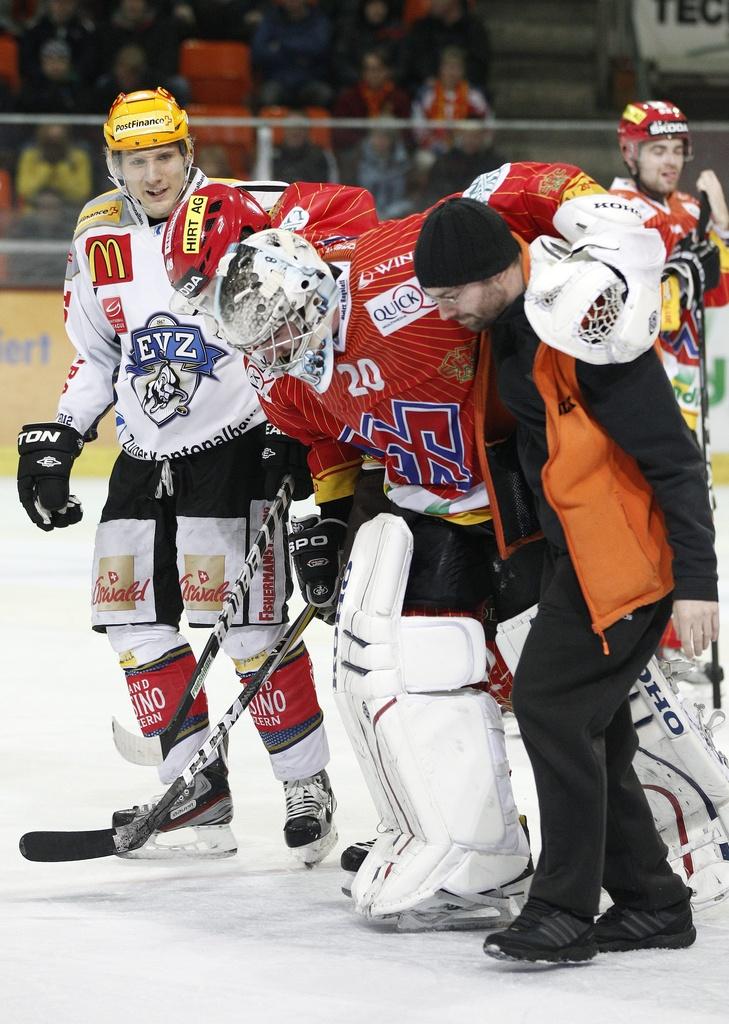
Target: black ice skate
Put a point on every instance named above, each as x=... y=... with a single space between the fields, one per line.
x=621 y=929
x=309 y=830
x=197 y=824
x=353 y=857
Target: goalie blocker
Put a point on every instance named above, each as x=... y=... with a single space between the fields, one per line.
x=431 y=748
x=685 y=776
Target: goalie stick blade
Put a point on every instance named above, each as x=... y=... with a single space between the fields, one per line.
x=146 y=750
x=51 y=847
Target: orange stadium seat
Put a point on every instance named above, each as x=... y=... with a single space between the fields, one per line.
x=239 y=141
x=218 y=72
x=9 y=61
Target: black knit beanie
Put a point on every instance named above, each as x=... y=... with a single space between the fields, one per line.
x=462 y=240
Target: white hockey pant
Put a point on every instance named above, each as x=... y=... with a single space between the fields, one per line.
x=432 y=750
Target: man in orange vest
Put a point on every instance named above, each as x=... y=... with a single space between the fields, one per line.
x=624 y=507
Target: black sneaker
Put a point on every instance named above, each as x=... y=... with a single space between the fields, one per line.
x=621 y=929
x=543 y=933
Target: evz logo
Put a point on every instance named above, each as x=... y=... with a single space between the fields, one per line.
x=168 y=361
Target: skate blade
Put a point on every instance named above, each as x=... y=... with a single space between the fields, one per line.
x=315 y=852
x=449 y=913
x=195 y=842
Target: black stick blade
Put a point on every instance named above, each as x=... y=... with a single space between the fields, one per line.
x=50 y=847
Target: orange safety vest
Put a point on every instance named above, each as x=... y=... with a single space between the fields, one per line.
x=614 y=528
x=615 y=531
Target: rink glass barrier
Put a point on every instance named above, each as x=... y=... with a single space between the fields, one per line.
x=405 y=164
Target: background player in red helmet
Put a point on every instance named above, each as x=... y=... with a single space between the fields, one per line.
x=656 y=143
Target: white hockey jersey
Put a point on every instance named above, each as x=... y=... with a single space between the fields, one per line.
x=176 y=387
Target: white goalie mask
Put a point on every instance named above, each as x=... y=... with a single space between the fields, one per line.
x=274 y=298
x=599 y=299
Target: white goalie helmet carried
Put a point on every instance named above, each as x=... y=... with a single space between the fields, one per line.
x=598 y=299
x=274 y=299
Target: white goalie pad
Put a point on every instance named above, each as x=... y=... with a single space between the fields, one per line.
x=686 y=779
x=599 y=299
x=432 y=752
x=511 y=636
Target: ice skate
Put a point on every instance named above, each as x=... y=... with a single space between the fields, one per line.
x=309 y=830
x=197 y=824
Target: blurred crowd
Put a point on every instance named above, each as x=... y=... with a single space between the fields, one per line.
x=302 y=60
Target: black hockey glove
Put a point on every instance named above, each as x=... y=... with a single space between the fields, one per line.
x=283 y=454
x=47 y=451
x=696 y=265
x=315 y=546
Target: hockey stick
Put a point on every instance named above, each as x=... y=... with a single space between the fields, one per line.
x=713 y=670
x=85 y=845
x=152 y=750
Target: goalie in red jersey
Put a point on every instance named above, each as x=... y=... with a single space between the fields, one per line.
x=350 y=356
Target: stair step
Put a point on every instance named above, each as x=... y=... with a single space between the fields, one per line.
x=546 y=99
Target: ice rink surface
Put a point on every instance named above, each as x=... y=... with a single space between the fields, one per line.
x=254 y=938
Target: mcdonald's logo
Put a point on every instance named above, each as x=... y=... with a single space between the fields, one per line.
x=110 y=259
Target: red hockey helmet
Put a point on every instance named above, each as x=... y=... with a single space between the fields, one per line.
x=202 y=228
x=646 y=122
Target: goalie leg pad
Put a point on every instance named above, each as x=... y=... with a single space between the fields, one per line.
x=686 y=779
x=511 y=636
x=443 y=758
x=432 y=752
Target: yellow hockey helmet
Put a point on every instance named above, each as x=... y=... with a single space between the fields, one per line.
x=146 y=118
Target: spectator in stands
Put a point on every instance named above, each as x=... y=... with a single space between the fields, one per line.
x=62 y=20
x=471 y=154
x=297 y=158
x=138 y=23
x=450 y=97
x=374 y=94
x=383 y=168
x=361 y=26
x=217 y=19
x=45 y=218
x=129 y=72
x=290 y=49
x=214 y=160
x=449 y=23
x=54 y=89
x=54 y=162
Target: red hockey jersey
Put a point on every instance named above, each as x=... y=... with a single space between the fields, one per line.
x=402 y=389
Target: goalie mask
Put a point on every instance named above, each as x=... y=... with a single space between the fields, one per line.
x=201 y=230
x=598 y=300
x=274 y=298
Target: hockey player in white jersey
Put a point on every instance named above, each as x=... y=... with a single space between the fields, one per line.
x=188 y=491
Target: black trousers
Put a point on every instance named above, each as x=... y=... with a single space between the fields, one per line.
x=571 y=702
